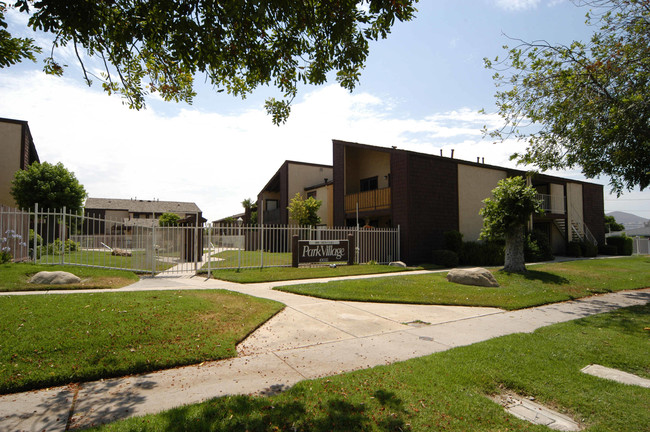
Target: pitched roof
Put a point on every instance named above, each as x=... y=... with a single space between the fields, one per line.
x=142 y=206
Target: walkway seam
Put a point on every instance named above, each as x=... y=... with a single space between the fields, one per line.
x=73 y=405
x=290 y=367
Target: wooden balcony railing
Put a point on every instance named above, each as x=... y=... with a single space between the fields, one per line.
x=377 y=199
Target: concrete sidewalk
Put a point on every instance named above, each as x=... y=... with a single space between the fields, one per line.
x=309 y=339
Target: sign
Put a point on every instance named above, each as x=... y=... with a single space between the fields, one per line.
x=315 y=251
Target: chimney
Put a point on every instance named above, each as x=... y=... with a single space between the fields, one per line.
x=483 y=160
x=478 y=159
x=452 y=153
x=440 y=152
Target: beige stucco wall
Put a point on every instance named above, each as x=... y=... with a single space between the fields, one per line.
x=10 y=143
x=363 y=163
x=325 y=194
x=302 y=176
x=474 y=185
x=557 y=198
x=574 y=202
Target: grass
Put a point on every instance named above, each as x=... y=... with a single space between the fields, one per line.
x=15 y=277
x=136 y=262
x=270 y=274
x=543 y=284
x=48 y=340
x=447 y=391
x=243 y=258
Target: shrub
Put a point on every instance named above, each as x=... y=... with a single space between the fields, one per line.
x=623 y=244
x=607 y=249
x=55 y=247
x=589 y=249
x=445 y=258
x=574 y=249
x=490 y=253
x=453 y=241
x=537 y=247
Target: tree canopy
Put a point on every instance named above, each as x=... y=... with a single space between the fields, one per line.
x=585 y=104
x=611 y=225
x=49 y=186
x=505 y=216
x=168 y=219
x=304 y=211
x=159 y=47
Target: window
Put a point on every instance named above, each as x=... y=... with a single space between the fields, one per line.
x=311 y=194
x=368 y=184
x=271 y=204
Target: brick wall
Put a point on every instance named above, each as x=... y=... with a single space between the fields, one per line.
x=432 y=204
x=593 y=208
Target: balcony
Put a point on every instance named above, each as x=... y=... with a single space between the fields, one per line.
x=553 y=204
x=378 y=199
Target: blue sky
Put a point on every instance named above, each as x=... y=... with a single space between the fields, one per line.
x=421 y=90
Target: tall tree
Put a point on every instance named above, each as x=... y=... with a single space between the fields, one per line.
x=585 y=104
x=160 y=46
x=51 y=186
x=505 y=216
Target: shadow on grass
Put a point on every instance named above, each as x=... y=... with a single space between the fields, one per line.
x=545 y=277
x=260 y=414
x=630 y=320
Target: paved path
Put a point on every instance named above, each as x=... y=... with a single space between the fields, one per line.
x=311 y=338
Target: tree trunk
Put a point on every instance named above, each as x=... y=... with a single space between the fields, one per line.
x=514 y=261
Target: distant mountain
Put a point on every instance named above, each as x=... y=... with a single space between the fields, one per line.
x=629 y=220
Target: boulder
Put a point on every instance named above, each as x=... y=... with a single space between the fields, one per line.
x=120 y=252
x=473 y=276
x=54 y=278
x=397 y=264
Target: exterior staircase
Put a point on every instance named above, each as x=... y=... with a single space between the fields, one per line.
x=578 y=231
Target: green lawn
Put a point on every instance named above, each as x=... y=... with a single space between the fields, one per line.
x=243 y=258
x=548 y=283
x=447 y=391
x=270 y=274
x=48 y=340
x=14 y=277
x=136 y=262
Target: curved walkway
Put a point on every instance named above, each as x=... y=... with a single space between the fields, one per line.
x=311 y=338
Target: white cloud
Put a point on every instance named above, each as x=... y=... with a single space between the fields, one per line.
x=517 y=5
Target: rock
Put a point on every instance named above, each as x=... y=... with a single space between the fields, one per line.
x=397 y=264
x=473 y=276
x=120 y=252
x=54 y=278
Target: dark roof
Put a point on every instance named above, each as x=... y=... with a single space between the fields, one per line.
x=142 y=206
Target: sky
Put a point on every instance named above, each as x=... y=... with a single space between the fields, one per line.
x=421 y=90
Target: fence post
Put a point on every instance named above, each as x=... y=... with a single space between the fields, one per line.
x=399 y=249
x=35 y=252
x=62 y=236
x=153 y=250
x=196 y=245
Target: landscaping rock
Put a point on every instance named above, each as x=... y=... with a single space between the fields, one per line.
x=474 y=276
x=54 y=278
x=397 y=264
x=120 y=252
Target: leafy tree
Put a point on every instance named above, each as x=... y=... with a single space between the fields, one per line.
x=611 y=224
x=168 y=219
x=505 y=216
x=148 y=47
x=14 y=50
x=586 y=104
x=304 y=211
x=51 y=186
x=251 y=210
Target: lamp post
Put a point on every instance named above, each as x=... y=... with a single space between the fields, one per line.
x=239 y=222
